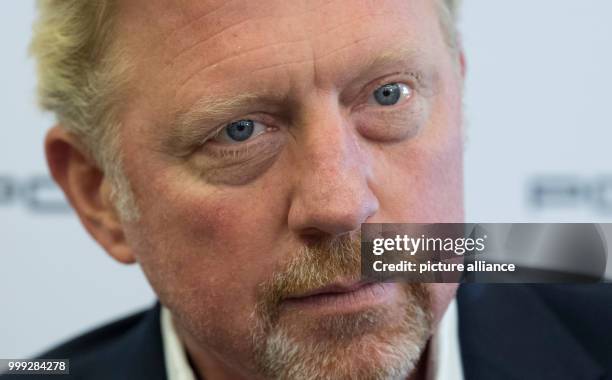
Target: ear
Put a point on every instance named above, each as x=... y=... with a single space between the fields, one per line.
x=462 y=63
x=461 y=57
x=88 y=191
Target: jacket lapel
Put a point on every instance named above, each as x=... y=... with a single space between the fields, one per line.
x=143 y=358
x=507 y=332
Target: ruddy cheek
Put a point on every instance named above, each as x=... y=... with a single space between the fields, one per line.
x=224 y=220
x=209 y=221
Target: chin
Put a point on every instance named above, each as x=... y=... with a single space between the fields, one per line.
x=373 y=344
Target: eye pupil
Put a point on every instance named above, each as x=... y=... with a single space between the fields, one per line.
x=240 y=130
x=388 y=94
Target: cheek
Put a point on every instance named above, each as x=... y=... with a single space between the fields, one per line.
x=422 y=182
x=421 y=179
x=205 y=249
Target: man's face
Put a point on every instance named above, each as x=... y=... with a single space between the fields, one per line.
x=257 y=137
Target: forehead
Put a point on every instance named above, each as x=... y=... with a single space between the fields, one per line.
x=184 y=46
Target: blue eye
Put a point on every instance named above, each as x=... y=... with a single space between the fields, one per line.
x=391 y=93
x=240 y=130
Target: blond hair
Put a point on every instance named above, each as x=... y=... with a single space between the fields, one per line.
x=81 y=72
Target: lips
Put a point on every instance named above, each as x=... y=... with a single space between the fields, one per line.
x=342 y=297
x=337 y=288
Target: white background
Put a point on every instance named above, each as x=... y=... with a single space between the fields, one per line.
x=538 y=103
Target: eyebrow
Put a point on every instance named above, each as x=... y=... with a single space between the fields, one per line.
x=414 y=60
x=194 y=125
x=391 y=56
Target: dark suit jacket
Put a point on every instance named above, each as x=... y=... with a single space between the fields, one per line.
x=507 y=332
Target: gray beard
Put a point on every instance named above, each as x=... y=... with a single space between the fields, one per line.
x=367 y=345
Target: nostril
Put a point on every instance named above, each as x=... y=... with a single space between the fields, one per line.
x=312 y=236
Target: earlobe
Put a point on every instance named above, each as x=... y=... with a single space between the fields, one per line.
x=88 y=191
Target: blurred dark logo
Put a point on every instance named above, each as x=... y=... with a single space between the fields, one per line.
x=556 y=192
x=37 y=193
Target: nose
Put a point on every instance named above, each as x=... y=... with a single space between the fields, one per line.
x=332 y=195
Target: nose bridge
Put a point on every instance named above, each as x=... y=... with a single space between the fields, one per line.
x=330 y=152
x=331 y=188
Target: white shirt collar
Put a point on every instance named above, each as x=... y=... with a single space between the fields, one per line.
x=445 y=355
x=446 y=352
x=177 y=365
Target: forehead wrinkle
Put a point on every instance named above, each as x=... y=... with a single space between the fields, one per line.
x=353 y=41
x=342 y=48
x=323 y=5
x=195 y=45
x=236 y=23
x=199 y=19
x=275 y=65
x=302 y=38
x=213 y=64
x=337 y=26
x=388 y=57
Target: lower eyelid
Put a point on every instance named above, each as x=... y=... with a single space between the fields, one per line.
x=246 y=165
x=404 y=103
x=393 y=123
x=224 y=150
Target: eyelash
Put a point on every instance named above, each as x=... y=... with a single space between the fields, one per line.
x=223 y=130
x=240 y=149
x=413 y=85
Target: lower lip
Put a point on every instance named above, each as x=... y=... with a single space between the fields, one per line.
x=366 y=296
